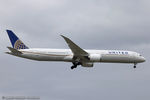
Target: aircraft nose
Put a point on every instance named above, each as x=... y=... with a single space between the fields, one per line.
x=143 y=59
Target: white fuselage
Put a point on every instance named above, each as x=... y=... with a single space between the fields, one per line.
x=75 y=54
x=109 y=56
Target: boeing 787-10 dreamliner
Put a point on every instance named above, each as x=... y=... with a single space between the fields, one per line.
x=75 y=54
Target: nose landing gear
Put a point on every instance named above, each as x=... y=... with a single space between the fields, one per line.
x=134 y=65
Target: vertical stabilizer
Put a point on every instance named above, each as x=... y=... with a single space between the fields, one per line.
x=15 y=41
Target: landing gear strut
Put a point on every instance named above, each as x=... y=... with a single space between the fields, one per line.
x=75 y=64
x=134 y=65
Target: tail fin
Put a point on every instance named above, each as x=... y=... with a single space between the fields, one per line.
x=15 y=41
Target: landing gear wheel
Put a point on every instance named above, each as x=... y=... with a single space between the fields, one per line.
x=134 y=66
x=75 y=64
x=72 y=67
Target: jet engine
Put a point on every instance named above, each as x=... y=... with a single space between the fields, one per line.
x=87 y=64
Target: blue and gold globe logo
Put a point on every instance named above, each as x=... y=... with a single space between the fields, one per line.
x=19 y=45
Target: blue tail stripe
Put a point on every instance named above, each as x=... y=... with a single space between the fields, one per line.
x=13 y=38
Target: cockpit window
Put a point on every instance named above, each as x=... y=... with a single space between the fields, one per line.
x=140 y=55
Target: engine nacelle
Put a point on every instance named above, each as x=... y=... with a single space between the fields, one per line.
x=87 y=64
x=95 y=57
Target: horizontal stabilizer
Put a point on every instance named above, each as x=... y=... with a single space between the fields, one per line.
x=14 y=51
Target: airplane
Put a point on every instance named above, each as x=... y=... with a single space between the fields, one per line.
x=76 y=55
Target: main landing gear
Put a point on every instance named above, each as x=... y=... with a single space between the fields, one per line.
x=75 y=64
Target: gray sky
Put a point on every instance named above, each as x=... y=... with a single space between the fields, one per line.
x=92 y=24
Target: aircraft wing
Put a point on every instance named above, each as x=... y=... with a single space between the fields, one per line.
x=77 y=51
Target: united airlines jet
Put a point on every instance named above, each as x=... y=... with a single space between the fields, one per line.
x=75 y=54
